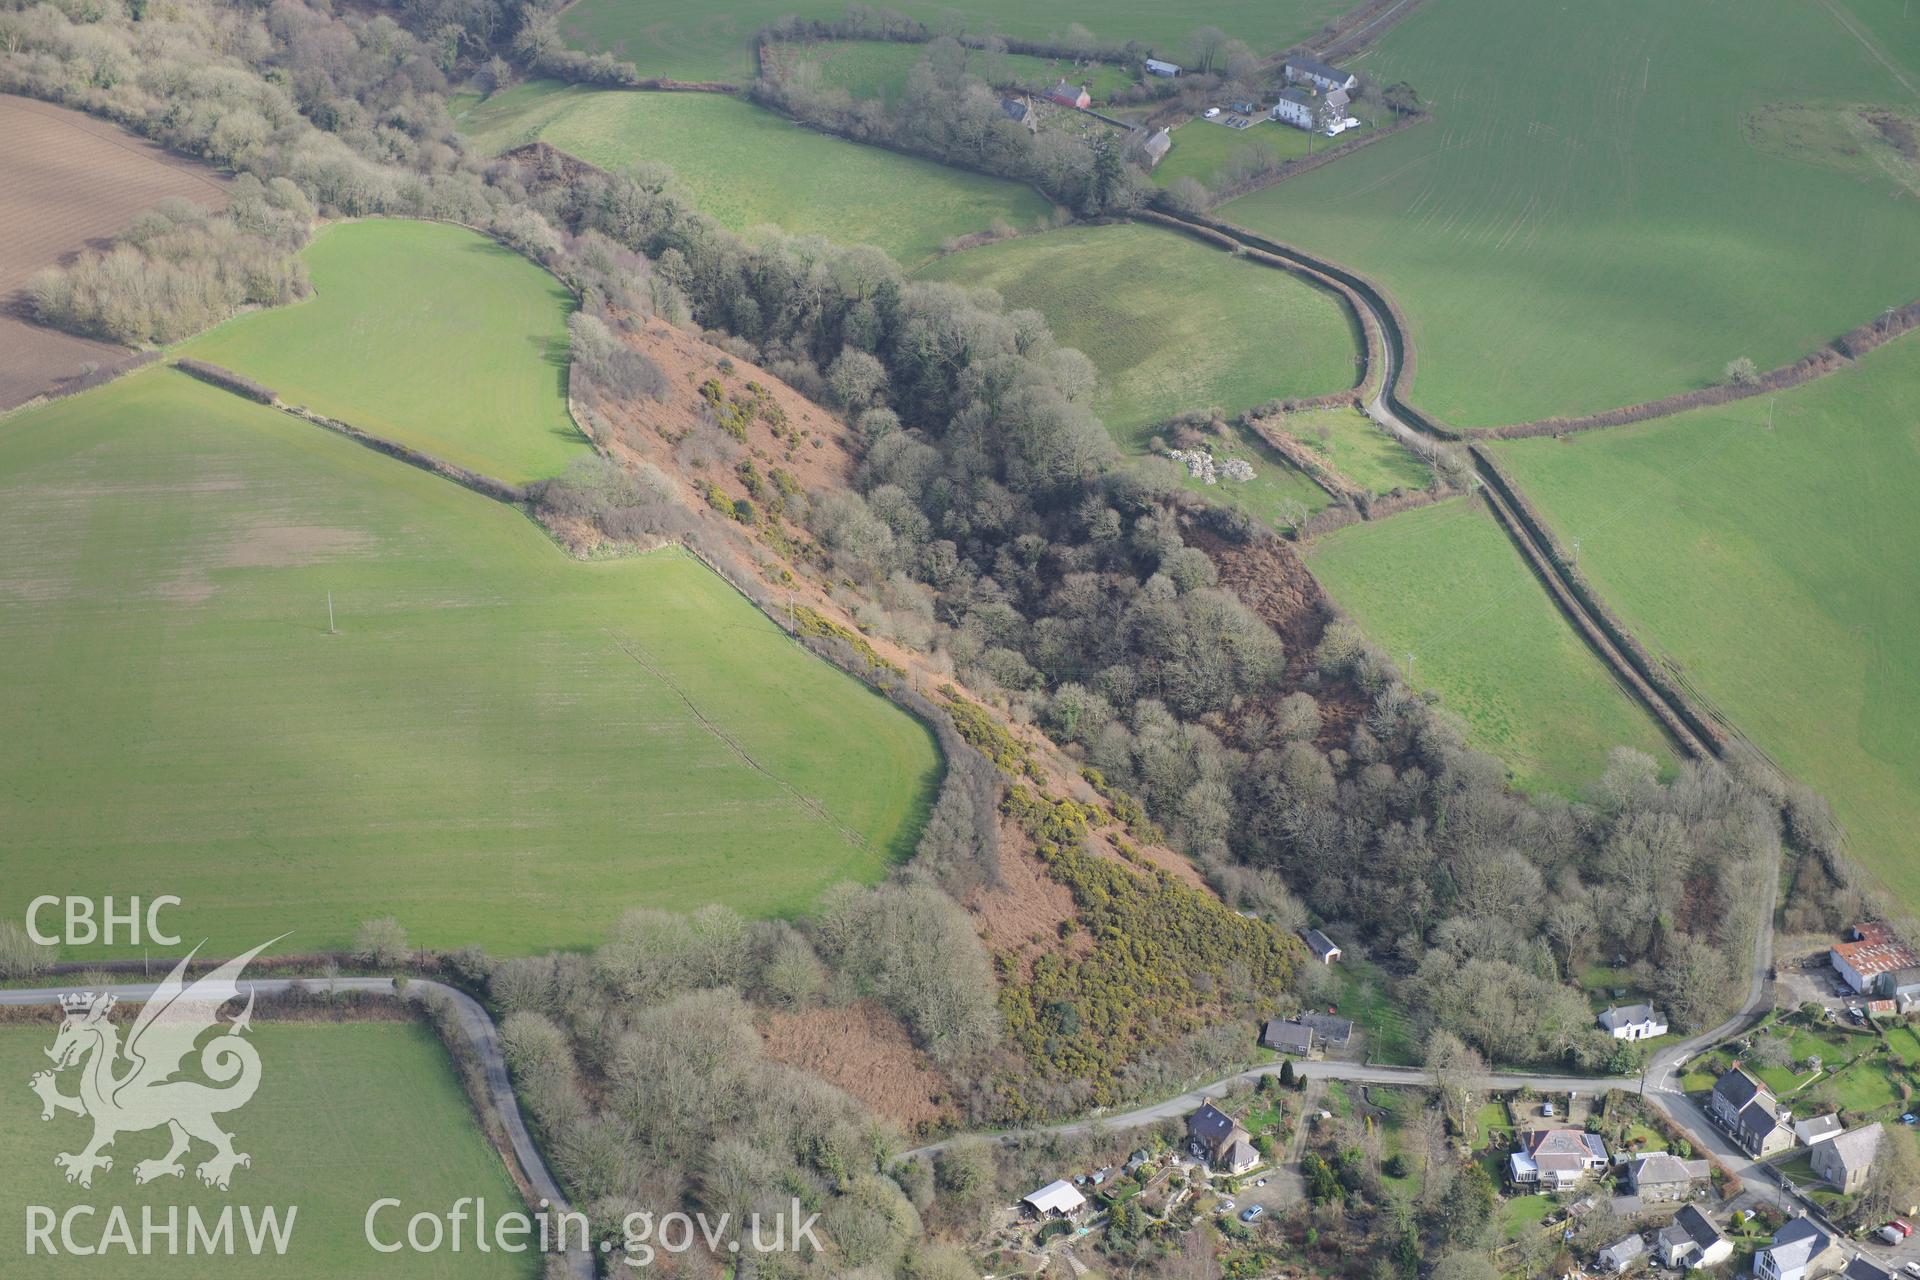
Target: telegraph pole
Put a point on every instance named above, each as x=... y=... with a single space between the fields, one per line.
x=330 y=628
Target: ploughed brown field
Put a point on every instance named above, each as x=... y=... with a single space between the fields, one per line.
x=71 y=181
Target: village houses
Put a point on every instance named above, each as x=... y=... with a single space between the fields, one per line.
x=1798 y=1249
x=1213 y=1136
x=1691 y=1241
x=1750 y=1114
x=1555 y=1159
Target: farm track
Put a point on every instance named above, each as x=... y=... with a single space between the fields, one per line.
x=1388 y=354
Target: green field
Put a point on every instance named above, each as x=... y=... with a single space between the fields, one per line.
x=1202 y=148
x=879 y=68
x=501 y=745
x=428 y=334
x=1768 y=547
x=1357 y=449
x=1444 y=584
x=693 y=42
x=1278 y=488
x=346 y=1114
x=749 y=167
x=1173 y=325
x=1585 y=222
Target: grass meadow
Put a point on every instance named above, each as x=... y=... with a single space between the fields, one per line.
x=1173 y=325
x=426 y=333
x=879 y=68
x=694 y=42
x=1767 y=547
x=1358 y=450
x=1444 y=584
x=500 y=745
x=1278 y=488
x=748 y=167
x=346 y=1114
x=1585 y=223
x=1202 y=148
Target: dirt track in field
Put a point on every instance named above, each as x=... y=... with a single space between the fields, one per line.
x=71 y=181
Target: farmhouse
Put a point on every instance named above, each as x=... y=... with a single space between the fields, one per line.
x=1156 y=147
x=1691 y=1241
x=1213 y=1136
x=1070 y=95
x=1017 y=110
x=1296 y=107
x=1312 y=71
x=1799 y=1249
x=1662 y=1177
x=1556 y=1159
x=1844 y=1161
x=1288 y=1037
x=1322 y=947
x=1874 y=963
x=1057 y=1199
x=1621 y=1254
x=1155 y=67
x=1817 y=1129
x=1633 y=1022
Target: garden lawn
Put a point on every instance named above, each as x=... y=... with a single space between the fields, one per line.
x=1585 y=222
x=346 y=1114
x=1767 y=549
x=879 y=68
x=501 y=745
x=693 y=42
x=1202 y=148
x=425 y=333
x=1522 y=1214
x=1358 y=450
x=1445 y=584
x=1173 y=325
x=749 y=167
x=1363 y=996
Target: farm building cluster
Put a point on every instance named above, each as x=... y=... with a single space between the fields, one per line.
x=1316 y=98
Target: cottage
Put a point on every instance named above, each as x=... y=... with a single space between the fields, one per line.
x=1621 y=1254
x=1070 y=95
x=1300 y=109
x=1214 y=1137
x=1017 y=110
x=1312 y=71
x=1156 y=147
x=1691 y=1241
x=1322 y=947
x=1844 y=1161
x=1555 y=1159
x=1632 y=1022
x=1871 y=963
x=1337 y=101
x=1660 y=1177
x=1328 y=1029
x=1288 y=1037
x=1817 y=1129
x=1155 y=67
x=1861 y=1269
x=1057 y=1199
x=1799 y=1249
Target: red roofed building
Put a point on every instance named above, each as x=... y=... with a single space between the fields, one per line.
x=1868 y=963
x=1068 y=95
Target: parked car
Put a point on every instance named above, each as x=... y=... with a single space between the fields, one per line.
x=1888 y=1234
x=1903 y=1228
x=1225 y=1206
x=1546 y=1108
x=1912 y=1269
x=1260 y=1182
x=1211 y=112
x=1253 y=1213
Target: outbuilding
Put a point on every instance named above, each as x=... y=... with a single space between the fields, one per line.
x=1058 y=1199
x=1155 y=67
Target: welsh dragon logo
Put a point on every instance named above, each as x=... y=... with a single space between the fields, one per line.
x=132 y=1087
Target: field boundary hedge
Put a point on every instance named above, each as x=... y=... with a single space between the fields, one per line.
x=1357 y=28
x=227 y=380
x=100 y=377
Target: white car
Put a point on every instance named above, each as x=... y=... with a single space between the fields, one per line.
x=1912 y=1269
x=1210 y=112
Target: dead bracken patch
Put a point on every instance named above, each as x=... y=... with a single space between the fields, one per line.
x=863 y=1049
